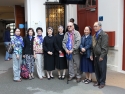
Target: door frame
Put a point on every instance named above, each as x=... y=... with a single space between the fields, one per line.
x=81 y=10
x=123 y=59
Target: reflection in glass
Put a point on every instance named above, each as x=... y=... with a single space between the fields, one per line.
x=55 y=16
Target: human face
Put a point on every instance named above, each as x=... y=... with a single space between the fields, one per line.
x=70 y=26
x=17 y=32
x=71 y=21
x=30 y=33
x=96 y=27
x=87 y=31
x=39 y=32
x=60 y=29
x=49 y=32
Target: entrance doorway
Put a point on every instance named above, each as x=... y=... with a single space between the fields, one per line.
x=87 y=14
x=55 y=16
x=6 y=19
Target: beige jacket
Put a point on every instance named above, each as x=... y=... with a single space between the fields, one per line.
x=76 y=44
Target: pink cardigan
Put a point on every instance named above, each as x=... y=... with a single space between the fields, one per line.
x=37 y=47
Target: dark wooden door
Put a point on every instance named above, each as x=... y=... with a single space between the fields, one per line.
x=20 y=18
x=87 y=15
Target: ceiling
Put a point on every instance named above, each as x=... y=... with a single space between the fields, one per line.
x=7 y=8
x=6 y=12
x=11 y=2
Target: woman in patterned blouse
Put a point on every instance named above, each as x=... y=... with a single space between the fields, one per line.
x=17 y=42
x=38 y=53
x=28 y=53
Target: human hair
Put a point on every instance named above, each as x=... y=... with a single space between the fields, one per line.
x=62 y=28
x=16 y=29
x=99 y=23
x=90 y=29
x=32 y=31
x=39 y=28
x=72 y=20
x=50 y=29
x=8 y=28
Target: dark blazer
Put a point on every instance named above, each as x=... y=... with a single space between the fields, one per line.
x=58 y=44
x=48 y=45
x=6 y=36
x=76 y=27
x=100 y=45
x=28 y=46
x=87 y=44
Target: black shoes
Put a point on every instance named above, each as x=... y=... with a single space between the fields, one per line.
x=51 y=77
x=88 y=81
x=59 y=77
x=63 y=77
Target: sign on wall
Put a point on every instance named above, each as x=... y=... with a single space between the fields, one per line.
x=72 y=1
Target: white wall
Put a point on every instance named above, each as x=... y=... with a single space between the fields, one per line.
x=112 y=12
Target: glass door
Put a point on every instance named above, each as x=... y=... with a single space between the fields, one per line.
x=55 y=16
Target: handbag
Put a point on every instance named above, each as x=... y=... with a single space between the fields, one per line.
x=24 y=71
x=10 y=49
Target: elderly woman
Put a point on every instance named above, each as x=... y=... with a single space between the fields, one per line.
x=17 y=42
x=48 y=47
x=61 y=63
x=87 y=65
x=38 y=53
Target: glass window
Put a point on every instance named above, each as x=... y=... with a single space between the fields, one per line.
x=89 y=3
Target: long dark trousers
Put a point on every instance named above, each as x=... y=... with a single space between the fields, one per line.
x=100 y=69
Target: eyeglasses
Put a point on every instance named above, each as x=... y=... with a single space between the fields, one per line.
x=69 y=26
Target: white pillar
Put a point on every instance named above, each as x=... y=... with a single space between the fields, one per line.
x=35 y=14
x=71 y=12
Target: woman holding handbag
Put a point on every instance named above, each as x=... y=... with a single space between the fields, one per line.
x=28 y=53
x=17 y=43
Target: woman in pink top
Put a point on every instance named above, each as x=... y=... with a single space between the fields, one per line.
x=38 y=53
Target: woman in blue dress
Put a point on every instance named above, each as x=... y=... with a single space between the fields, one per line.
x=87 y=65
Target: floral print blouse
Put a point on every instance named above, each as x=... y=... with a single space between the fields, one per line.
x=37 y=46
x=18 y=44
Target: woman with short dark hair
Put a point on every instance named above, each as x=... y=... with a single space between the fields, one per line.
x=38 y=53
x=17 y=43
x=87 y=65
x=28 y=53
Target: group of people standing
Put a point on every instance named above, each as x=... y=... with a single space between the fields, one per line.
x=65 y=50
x=46 y=52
